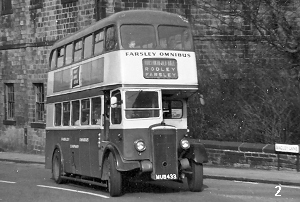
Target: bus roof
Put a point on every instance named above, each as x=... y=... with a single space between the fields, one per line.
x=127 y=17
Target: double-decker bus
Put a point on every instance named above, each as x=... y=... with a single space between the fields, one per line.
x=117 y=98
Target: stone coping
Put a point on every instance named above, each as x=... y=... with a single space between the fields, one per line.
x=241 y=146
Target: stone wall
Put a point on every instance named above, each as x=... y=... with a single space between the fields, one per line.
x=248 y=155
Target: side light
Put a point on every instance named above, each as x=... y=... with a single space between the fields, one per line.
x=99 y=139
x=185 y=144
x=140 y=145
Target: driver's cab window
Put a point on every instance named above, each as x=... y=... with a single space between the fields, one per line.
x=172 y=109
x=116 y=111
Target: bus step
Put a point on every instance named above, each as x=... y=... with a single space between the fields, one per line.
x=101 y=184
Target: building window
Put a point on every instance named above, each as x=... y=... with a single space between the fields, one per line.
x=9 y=100
x=100 y=9
x=39 y=102
x=6 y=7
x=35 y=4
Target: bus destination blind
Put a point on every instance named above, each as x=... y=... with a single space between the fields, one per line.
x=157 y=68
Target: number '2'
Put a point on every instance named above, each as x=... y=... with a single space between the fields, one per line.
x=279 y=189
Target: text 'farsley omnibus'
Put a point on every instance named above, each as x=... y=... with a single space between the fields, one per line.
x=117 y=103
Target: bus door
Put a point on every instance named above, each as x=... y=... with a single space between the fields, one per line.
x=97 y=122
x=115 y=131
x=106 y=115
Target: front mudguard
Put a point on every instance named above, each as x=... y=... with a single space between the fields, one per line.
x=196 y=152
x=121 y=164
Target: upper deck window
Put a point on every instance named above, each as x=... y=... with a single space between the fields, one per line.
x=60 y=57
x=53 y=59
x=110 y=39
x=78 y=51
x=88 y=44
x=175 y=38
x=69 y=53
x=99 y=37
x=141 y=104
x=138 y=36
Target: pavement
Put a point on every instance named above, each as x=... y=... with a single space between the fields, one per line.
x=283 y=177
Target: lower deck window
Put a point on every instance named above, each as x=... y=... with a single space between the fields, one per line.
x=58 y=114
x=75 y=113
x=66 y=113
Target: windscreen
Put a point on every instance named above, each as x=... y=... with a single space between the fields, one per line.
x=138 y=36
x=175 y=38
x=141 y=104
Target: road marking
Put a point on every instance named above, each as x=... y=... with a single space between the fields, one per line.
x=7 y=182
x=290 y=187
x=73 y=190
x=246 y=182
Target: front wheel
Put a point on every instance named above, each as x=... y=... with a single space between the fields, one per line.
x=114 y=177
x=195 y=177
x=57 y=167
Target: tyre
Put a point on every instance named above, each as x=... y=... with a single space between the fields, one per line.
x=57 y=167
x=114 y=177
x=195 y=178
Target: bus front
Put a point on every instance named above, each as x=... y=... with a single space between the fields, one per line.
x=148 y=114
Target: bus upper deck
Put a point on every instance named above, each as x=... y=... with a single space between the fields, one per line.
x=131 y=48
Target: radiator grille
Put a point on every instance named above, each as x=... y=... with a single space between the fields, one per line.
x=165 y=161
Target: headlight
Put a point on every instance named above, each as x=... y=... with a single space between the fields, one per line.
x=185 y=144
x=140 y=145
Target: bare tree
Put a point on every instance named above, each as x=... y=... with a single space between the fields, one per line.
x=275 y=22
x=254 y=100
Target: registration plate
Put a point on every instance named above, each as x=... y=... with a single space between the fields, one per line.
x=166 y=177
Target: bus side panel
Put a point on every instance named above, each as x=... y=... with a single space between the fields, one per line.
x=88 y=147
x=84 y=153
x=60 y=139
x=49 y=148
x=74 y=148
x=65 y=139
x=94 y=155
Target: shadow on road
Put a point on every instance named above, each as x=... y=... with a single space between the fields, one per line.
x=142 y=187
